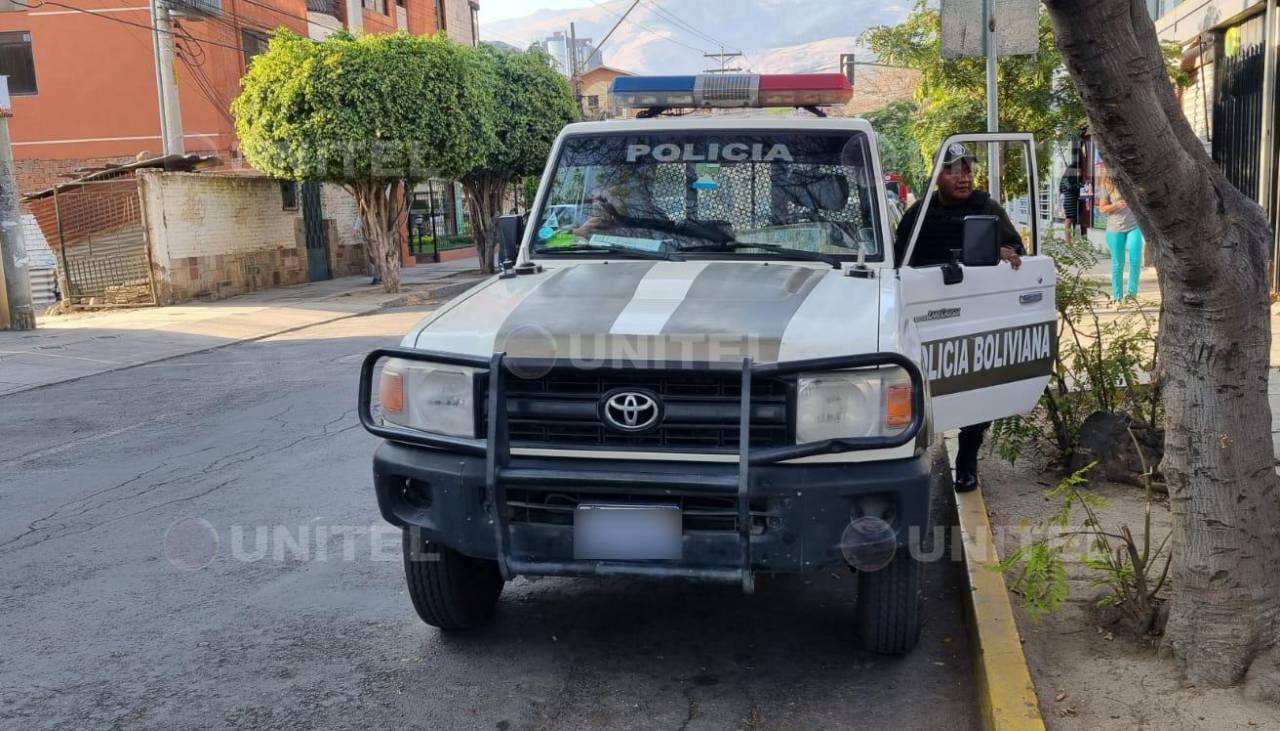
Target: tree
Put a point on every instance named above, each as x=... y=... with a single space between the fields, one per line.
x=532 y=103
x=1211 y=247
x=370 y=112
x=899 y=150
x=1035 y=96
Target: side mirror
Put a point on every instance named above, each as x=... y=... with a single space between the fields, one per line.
x=981 y=241
x=510 y=234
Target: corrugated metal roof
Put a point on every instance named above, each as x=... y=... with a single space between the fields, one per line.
x=168 y=162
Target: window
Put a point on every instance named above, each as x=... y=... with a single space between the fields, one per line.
x=377 y=6
x=253 y=44
x=593 y=102
x=17 y=62
x=289 y=195
x=439 y=15
x=714 y=193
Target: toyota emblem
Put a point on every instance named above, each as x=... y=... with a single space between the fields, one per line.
x=630 y=411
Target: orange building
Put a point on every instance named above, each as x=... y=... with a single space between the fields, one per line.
x=82 y=73
x=597 y=100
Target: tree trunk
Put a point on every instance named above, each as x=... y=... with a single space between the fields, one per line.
x=380 y=211
x=1211 y=248
x=484 y=201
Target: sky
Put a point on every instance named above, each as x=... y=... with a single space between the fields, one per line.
x=493 y=10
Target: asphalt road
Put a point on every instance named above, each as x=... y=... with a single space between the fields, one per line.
x=110 y=619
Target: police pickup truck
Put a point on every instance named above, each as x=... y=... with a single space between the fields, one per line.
x=705 y=363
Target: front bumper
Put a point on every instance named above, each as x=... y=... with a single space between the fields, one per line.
x=798 y=512
x=758 y=514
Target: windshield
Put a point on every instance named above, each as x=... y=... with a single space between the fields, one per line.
x=760 y=194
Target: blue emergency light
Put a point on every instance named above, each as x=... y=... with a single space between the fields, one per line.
x=731 y=90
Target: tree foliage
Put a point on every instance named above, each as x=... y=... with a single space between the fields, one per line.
x=532 y=103
x=366 y=112
x=899 y=150
x=1035 y=94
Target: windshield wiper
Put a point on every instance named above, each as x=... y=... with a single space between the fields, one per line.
x=617 y=251
x=800 y=254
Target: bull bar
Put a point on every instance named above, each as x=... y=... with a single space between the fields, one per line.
x=495 y=448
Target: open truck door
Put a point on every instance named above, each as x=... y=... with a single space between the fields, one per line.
x=988 y=332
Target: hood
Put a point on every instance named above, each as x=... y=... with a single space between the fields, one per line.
x=663 y=311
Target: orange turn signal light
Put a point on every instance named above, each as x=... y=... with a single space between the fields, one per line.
x=898 y=409
x=391 y=392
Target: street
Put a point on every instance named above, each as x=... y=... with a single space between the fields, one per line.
x=110 y=617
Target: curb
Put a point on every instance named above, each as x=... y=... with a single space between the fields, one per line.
x=1006 y=695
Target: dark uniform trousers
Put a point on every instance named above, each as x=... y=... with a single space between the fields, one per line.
x=970 y=443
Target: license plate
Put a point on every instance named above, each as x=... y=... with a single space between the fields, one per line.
x=627 y=533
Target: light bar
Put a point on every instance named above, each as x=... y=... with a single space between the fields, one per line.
x=731 y=90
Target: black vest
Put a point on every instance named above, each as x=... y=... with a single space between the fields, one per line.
x=943 y=228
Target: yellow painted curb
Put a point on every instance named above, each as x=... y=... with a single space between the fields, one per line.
x=1005 y=692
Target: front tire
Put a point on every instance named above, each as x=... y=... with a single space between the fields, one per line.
x=449 y=590
x=890 y=606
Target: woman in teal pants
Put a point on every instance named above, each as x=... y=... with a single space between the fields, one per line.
x=1123 y=237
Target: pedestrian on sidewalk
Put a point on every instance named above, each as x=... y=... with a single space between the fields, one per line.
x=1123 y=238
x=1069 y=188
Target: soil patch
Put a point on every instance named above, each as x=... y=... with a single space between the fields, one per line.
x=1091 y=676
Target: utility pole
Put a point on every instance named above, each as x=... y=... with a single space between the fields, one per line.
x=575 y=75
x=992 y=47
x=166 y=79
x=16 y=310
x=724 y=59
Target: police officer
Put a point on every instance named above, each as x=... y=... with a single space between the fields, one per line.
x=942 y=231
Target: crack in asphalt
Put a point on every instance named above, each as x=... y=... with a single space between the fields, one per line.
x=224 y=462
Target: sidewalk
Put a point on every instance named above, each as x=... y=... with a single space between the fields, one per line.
x=1149 y=296
x=67 y=347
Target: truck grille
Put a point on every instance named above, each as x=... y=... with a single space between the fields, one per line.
x=561 y=411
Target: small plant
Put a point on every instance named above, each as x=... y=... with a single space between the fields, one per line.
x=1103 y=363
x=1125 y=564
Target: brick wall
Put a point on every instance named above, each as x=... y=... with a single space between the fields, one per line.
x=35 y=175
x=214 y=236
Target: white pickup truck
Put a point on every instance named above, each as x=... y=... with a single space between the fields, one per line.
x=705 y=365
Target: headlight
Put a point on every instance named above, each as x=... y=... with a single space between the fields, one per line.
x=870 y=403
x=433 y=398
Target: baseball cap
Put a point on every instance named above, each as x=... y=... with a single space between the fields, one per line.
x=957 y=152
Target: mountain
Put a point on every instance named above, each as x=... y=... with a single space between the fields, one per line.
x=671 y=36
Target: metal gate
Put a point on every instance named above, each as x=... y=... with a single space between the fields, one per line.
x=1237 y=116
x=317 y=238
x=100 y=244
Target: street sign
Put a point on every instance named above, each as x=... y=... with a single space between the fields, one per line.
x=1017 y=27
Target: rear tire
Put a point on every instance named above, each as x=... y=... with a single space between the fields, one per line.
x=890 y=606
x=449 y=590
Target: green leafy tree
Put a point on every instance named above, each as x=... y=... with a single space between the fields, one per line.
x=1036 y=94
x=532 y=103
x=372 y=113
x=899 y=150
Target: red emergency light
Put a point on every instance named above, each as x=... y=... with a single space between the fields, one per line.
x=804 y=90
x=718 y=91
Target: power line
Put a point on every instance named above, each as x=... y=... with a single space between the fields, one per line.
x=669 y=15
x=104 y=16
x=653 y=5
x=651 y=31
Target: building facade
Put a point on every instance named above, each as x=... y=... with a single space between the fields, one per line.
x=83 y=73
x=1230 y=53
x=561 y=50
x=597 y=95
